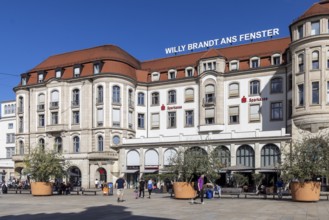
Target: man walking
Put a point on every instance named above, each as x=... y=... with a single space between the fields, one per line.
x=120 y=185
x=201 y=182
x=142 y=188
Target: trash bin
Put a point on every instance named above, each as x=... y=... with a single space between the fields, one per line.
x=110 y=189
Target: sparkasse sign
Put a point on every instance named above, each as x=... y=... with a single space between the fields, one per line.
x=222 y=41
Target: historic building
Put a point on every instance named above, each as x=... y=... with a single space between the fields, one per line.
x=109 y=113
x=7 y=139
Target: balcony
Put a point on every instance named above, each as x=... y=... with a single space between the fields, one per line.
x=57 y=128
x=105 y=155
x=75 y=104
x=18 y=157
x=53 y=105
x=41 y=107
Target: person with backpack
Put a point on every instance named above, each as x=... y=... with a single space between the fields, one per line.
x=150 y=187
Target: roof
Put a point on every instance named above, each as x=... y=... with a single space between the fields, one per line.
x=320 y=8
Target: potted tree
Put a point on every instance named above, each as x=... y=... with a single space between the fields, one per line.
x=305 y=163
x=42 y=166
x=186 y=165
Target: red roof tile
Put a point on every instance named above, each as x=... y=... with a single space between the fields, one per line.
x=321 y=8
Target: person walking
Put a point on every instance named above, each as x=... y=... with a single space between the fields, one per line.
x=149 y=187
x=120 y=185
x=279 y=186
x=200 y=190
x=142 y=188
x=96 y=183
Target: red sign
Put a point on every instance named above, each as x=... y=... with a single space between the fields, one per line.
x=253 y=99
x=163 y=107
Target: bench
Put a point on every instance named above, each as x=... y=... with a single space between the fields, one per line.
x=231 y=191
x=84 y=191
x=325 y=194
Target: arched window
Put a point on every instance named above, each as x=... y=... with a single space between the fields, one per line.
x=151 y=158
x=132 y=158
x=234 y=90
x=140 y=98
x=76 y=97
x=276 y=85
x=58 y=145
x=254 y=87
x=168 y=155
x=99 y=99
x=116 y=95
x=42 y=143
x=209 y=94
x=315 y=60
x=301 y=63
x=21 y=147
x=172 y=97
x=100 y=143
x=224 y=155
x=76 y=144
x=189 y=95
x=41 y=102
x=155 y=98
x=245 y=156
x=130 y=98
x=270 y=156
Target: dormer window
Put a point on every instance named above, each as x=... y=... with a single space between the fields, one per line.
x=155 y=76
x=234 y=65
x=276 y=59
x=97 y=67
x=172 y=74
x=24 y=81
x=40 y=77
x=189 y=72
x=254 y=62
x=58 y=73
x=77 y=71
x=210 y=65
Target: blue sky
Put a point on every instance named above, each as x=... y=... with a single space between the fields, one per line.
x=31 y=31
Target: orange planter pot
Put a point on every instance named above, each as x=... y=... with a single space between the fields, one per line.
x=183 y=190
x=305 y=192
x=41 y=188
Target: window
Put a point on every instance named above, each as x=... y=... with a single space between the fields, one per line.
x=100 y=117
x=254 y=113
x=171 y=119
x=20 y=105
x=155 y=98
x=100 y=93
x=290 y=82
x=233 y=114
x=315 y=60
x=10 y=138
x=140 y=98
x=276 y=111
x=116 y=140
x=327 y=92
x=254 y=87
x=54 y=99
x=116 y=95
x=209 y=116
x=189 y=72
x=76 y=144
x=172 y=74
x=54 y=118
x=276 y=59
x=97 y=68
x=245 y=156
x=224 y=155
x=270 y=156
x=189 y=118
x=315 y=28
x=233 y=90
x=315 y=93
x=301 y=63
x=300 y=94
x=20 y=124
x=155 y=76
x=276 y=85
x=327 y=58
x=41 y=120
x=155 y=120
x=140 y=121
x=130 y=119
x=254 y=62
x=76 y=117
x=58 y=73
x=76 y=98
x=24 y=81
x=41 y=102
x=40 y=77
x=10 y=125
x=58 y=145
x=189 y=95
x=172 y=97
x=100 y=143
x=10 y=151
x=21 y=148
x=211 y=65
x=76 y=71
x=131 y=103
x=209 y=94
x=116 y=117
x=234 y=65
x=42 y=143
x=300 y=32
x=289 y=109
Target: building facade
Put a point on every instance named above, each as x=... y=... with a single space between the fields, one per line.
x=7 y=139
x=111 y=114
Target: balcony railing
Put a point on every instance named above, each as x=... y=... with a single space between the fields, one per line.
x=53 y=105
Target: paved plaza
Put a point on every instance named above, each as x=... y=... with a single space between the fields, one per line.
x=160 y=206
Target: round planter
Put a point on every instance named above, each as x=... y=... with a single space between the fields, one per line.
x=183 y=190
x=41 y=188
x=305 y=192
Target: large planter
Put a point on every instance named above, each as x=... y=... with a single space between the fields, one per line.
x=41 y=188
x=305 y=192
x=184 y=190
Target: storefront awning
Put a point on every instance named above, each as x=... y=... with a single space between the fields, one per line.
x=131 y=171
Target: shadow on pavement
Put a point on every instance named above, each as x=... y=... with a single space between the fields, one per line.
x=91 y=213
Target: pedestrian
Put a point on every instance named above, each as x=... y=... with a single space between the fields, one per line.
x=96 y=183
x=279 y=186
x=201 y=182
x=120 y=185
x=142 y=188
x=150 y=187
x=136 y=192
